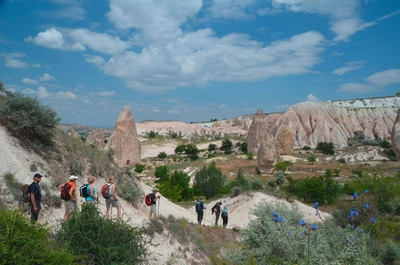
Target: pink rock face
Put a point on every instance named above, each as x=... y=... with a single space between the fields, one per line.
x=96 y=138
x=266 y=156
x=257 y=131
x=395 y=136
x=124 y=140
x=284 y=141
x=74 y=133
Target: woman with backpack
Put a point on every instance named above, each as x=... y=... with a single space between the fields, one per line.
x=224 y=216
x=91 y=191
x=113 y=199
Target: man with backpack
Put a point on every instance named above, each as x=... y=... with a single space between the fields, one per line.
x=36 y=197
x=217 y=210
x=200 y=210
x=68 y=194
x=153 y=206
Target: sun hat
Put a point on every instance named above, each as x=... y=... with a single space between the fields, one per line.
x=72 y=177
x=155 y=189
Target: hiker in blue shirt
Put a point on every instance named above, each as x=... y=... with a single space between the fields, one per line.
x=224 y=216
x=36 y=197
x=200 y=210
x=92 y=198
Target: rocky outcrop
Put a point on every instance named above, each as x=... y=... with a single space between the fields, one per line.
x=284 y=141
x=124 y=140
x=266 y=156
x=73 y=133
x=96 y=138
x=257 y=131
x=395 y=136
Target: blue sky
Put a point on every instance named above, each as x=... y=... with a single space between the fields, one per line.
x=196 y=60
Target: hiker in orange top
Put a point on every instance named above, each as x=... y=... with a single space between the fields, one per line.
x=70 y=205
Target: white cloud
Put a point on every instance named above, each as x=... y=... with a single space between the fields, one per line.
x=107 y=93
x=357 y=88
x=29 y=91
x=42 y=92
x=312 y=98
x=222 y=106
x=87 y=101
x=345 y=28
x=235 y=9
x=385 y=78
x=71 y=9
x=285 y=106
x=174 y=111
x=96 y=60
x=29 y=81
x=350 y=67
x=11 y=60
x=66 y=95
x=54 y=39
x=36 y=65
x=155 y=109
x=46 y=77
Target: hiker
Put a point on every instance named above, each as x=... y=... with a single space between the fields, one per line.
x=91 y=190
x=70 y=204
x=217 y=210
x=154 y=198
x=113 y=200
x=36 y=197
x=224 y=216
x=200 y=210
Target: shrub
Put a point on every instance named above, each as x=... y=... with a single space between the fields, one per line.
x=162 y=173
x=212 y=147
x=191 y=149
x=28 y=120
x=227 y=152
x=33 y=168
x=326 y=148
x=154 y=226
x=385 y=144
x=312 y=159
x=130 y=193
x=306 y=147
x=162 y=155
x=250 y=156
x=282 y=166
x=256 y=184
x=280 y=177
x=226 y=144
x=139 y=168
x=243 y=147
x=23 y=242
x=209 y=181
x=342 y=160
x=180 y=149
x=152 y=134
x=108 y=242
x=236 y=190
x=370 y=142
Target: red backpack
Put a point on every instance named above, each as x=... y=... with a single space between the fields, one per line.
x=147 y=199
x=65 y=192
x=105 y=191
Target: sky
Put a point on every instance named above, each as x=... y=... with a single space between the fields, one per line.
x=193 y=60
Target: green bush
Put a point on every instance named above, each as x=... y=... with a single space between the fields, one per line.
x=243 y=147
x=22 y=242
x=28 y=120
x=342 y=160
x=385 y=144
x=322 y=189
x=250 y=156
x=106 y=241
x=139 y=168
x=152 y=134
x=256 y=184
x=162 y=173
x=130 y=193
x=180 y=149
x=226 y=144
x=280 y=177
x=312 y=159
x=162 y=155
x=212 y=147
x=306 y=147
x=286 y=242
x=209 y=181
x=282 y=166
x=326 y=148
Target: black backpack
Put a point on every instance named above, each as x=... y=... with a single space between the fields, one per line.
x=213 y=209
x=83 y=191
x=25 y=196
x=198 y=207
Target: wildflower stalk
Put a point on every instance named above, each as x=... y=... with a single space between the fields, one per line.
x=287 y=237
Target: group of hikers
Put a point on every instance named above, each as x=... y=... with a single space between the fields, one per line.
x=69 y=193
x=215 y=210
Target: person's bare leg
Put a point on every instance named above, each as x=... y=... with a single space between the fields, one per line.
x=119 y=212
x=108 y=213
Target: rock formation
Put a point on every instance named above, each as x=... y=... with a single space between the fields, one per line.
x=257 y=131
x=96 y=138
x=395 y=135
x=124 y=140
x=266 y=156
x=73 y=133
x=284 y=141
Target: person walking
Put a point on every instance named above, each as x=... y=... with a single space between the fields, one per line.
x=153 y=206
x=36 y=197
x=70 y=205
x=224 y=216
x=216 y=209
x=113 y=200
x=91 y=190
x=200 y=210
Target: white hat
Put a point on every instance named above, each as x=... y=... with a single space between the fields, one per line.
x=72 y=177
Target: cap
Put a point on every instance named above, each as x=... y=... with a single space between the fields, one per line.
x=72 y=177
x=37 y=175
x=201 y=197
x=220 y=203
x=155 y=189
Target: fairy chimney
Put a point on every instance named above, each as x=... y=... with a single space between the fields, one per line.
x=266 y=156
x=96 y=138
x=73 y=133
x=284 y=141
x=395 y=135
x=256 y=134
x=124 y=140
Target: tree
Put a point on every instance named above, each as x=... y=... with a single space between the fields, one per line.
x=28 y=120
x=180 y=149
x=243 y=147
x=162 y=155
x=312 y=159
x=282 y=166
x=326 y=148
x=162 y=173
x=226 y=144
x=209 y=181
x=212 y=147
x=139 y=168
x=182 y=179
x=152 y=134
x=191 y=150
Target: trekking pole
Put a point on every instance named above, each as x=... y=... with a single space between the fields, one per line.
x=122 y=208
x=204 y=217
x=159 y=201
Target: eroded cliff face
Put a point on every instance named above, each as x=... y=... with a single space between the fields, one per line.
x=124 y=140
x=395 y=135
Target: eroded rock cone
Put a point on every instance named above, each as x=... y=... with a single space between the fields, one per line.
x=266 y=157
x=124 y=140
x=395 y=135
x=96 y=138
x=284 y=141
x=256 y=134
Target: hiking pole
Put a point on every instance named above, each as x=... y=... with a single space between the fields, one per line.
x=122 y=208
x=204 y=218
x=159 y=202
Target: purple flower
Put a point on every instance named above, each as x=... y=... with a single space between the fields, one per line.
x=367 y=205
x=281 y=219
x=351 y=239
x=316 y=212
x=276 y=219
x=352 y=214
x=314 y=227
x=302 y=223
x=275 y=214
x=315 y=206
x=353 y=226
x=372 y=220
